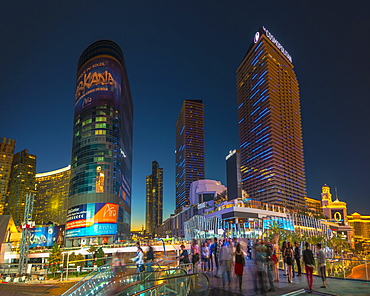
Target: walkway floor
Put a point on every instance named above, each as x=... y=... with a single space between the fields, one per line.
x=334 y=286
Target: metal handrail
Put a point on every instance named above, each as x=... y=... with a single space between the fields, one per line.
x=168 y=281
x=84 y=280
x=142 y=278
x=149 y=289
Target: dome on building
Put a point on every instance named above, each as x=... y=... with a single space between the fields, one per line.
x=205 y=190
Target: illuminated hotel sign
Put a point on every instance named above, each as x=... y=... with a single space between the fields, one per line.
x=274 y=40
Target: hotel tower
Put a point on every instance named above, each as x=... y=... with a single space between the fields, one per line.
x=99 y=203
x=189 y=150
x=269 y=120
x=154 y=199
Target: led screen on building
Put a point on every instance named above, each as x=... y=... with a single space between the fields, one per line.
x=281 y=222
x=97 y=82
x=92 y=219
x=46 y=236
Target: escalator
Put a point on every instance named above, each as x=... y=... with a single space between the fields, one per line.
x=195 y=284
x=103 y=280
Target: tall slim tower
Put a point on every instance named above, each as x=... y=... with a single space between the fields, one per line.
x=22 y=182
x=269 y=117
x=7 y=147
x=189 y=150
x=99 y=206
x=154 y=198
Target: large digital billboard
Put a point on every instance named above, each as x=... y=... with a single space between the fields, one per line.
x=92 y=219
x=98 y=82
x=46 y=236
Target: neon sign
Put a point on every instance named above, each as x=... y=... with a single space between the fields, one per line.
x=278 y=45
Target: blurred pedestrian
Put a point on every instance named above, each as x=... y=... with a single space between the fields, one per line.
x=297 y=258
x=275 y=260
x=205 y=256
x=309 y=263
x=260 y=262
x=150 y=257
x=226 y=259
x=321 y=262
x=139 y=259
x=270 y=266
x=283 y=248
x=214 y=252
x=195 y=255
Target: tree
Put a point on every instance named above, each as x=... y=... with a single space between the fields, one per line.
x=55 y=258
x=99 y=254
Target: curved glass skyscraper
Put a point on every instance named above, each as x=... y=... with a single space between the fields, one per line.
x=99 y=203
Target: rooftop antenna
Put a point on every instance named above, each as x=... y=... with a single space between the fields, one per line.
x=336 y=194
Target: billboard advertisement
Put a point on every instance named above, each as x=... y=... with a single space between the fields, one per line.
x=92 y=219
x=46 y=236
x=98 y=82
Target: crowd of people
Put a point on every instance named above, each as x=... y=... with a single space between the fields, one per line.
x=225 y=258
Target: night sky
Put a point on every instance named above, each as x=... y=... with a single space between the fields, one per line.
x=176 y=50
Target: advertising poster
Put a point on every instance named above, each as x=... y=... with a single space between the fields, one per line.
x=92 y=220
x=98 y=82
x=46 y=236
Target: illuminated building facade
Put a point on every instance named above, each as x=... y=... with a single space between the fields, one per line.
x=361 y=226
x=22 y=182
x=51 y=196
x=334 y=210
x=189 y=150
x=233 y=175
x=313 y=205
x=269 y=120
x=7 y=147
x=154 y=199
x=99 y=204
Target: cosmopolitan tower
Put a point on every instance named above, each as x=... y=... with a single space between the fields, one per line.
x=189 y=150
x=99 y=203
x=270 y=132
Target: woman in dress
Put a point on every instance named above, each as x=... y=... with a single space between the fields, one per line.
x=239 y=264
x=289 y=255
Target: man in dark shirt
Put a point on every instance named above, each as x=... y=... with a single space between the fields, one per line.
x=309 y=263
x=297 y=258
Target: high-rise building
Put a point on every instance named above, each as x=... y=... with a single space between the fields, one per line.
x=22 y=182
x=233 y=175
x=99 y=205
x=51 y=198
x=189 y=150
x=269 y=119
x=7 y=147
x=154 y=198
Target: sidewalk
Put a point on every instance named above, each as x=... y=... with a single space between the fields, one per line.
x=334 y=286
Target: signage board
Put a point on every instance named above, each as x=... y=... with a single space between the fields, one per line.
x=92 y=219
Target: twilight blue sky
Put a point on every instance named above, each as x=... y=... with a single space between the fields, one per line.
x=176 y=50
